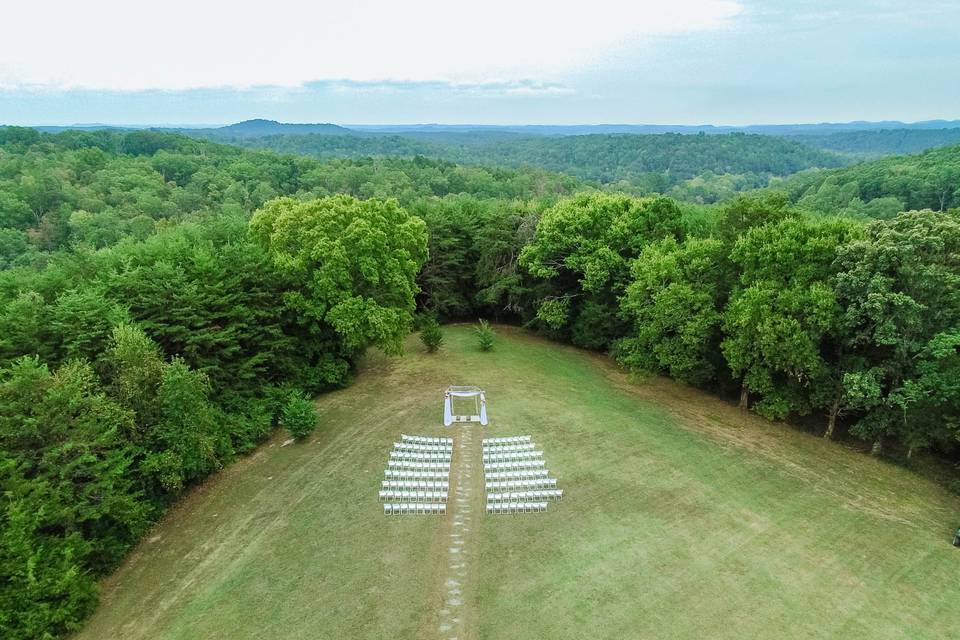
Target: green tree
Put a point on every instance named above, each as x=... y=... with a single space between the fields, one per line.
x=431 y=335
x=186 y=443
x=583 y=247
x=352 y=264
x=931 y=399
x=899 y=286
x=591 y=237
x=748 y=211
x=485 y=336
x=299 y=416
x=25 y=328
x=134 y=369
x=84 y=319
x=675 y=306
x=784 y=316
x=447 y=279
x=46 y=590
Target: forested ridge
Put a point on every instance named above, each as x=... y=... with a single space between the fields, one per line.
x=881 y=188
x=883 y=142
x=651 y=162
x=166 y=302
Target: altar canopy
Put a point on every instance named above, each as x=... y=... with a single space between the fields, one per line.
x=479 y=405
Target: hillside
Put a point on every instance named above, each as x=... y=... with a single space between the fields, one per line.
x=651 y=162
x=821 y=128
x=93 y=188
x=675 y=502
x=884 y=142
x=881 y=188
x=261 y=127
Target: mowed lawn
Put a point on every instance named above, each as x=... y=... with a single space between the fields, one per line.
x=682 y=518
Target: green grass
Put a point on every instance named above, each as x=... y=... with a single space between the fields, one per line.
x=682 y=519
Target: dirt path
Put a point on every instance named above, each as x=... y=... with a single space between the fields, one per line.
x=454 y=619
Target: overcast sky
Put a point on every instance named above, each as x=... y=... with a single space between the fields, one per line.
x=491 y=62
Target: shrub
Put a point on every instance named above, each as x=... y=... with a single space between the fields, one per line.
x=485 y=336
x=431 y=335
x=299 y=416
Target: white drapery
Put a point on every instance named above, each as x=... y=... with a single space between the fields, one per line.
x=463 y=392
x=447 y=411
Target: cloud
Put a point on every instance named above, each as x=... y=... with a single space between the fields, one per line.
x=123 y=45
x=521 y=87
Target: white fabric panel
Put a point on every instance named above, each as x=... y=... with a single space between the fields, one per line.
x=447 y=411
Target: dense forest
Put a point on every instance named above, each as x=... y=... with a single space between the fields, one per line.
x=881 y=188
x=648 y=163
x=167 y=302
x=883 y=142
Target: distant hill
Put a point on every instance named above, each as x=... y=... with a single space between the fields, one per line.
x=647 y=162
x=881 y=188
x=883 y=142
x=583 y=129
x=264 y=127
x=84 y=127
x=260 y=127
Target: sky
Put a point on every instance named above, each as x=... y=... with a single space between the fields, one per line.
x=731 y=62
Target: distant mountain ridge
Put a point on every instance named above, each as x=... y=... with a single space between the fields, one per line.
x=884 y=187
x=881 y=142
x=256 y=127
x=582 y=129
x=856 y=140
x=260 y=127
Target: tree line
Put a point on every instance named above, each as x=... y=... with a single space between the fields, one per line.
x=798 y=314
x=881 y=188
x=883 y=142
x=643 y=163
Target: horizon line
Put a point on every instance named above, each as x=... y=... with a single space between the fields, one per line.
x=175 y=125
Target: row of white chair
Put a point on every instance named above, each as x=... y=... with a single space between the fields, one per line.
x=393 y=508
x=428 y=448
x=419 y=455
x=512 y=455
x=516 y=507
x=411 y=474
x=509 y=485
x=507 y=440
x=519 y=474
x=426 y=485
x=515 y=464
x=425 y=439
x=523 y=496
x=413 y=496
x=418 y=466
x=503 y=448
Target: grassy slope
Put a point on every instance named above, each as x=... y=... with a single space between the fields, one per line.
x=682 y=519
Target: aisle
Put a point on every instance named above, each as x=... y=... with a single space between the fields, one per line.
x=453 y=618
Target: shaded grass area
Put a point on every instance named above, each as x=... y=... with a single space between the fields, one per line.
x=682 y=519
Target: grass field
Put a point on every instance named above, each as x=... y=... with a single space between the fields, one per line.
x=682 y=518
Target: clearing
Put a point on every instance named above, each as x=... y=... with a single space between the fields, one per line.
x=682 y=518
